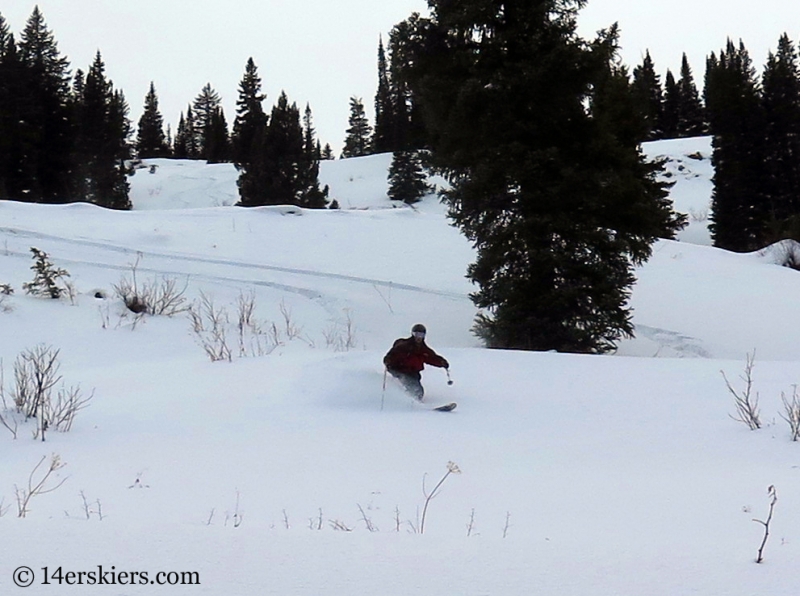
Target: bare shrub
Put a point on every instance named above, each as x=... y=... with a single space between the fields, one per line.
x=291 y=330
x=209 y=324
x=791 y=413
x=773 y=498
x=341 y=335
x=39 y=483
x=158 y=296
x=746 y=403
x=6 y=420
x=256 y=338
x=36 y=374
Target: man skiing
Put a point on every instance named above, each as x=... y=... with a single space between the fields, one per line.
x=408 y=357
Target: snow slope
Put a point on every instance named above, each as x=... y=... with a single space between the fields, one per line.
x=295 y=472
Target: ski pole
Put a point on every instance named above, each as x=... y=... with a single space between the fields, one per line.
x=449 y=380
x=383 y=393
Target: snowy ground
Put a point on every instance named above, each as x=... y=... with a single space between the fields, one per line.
x=580 y=475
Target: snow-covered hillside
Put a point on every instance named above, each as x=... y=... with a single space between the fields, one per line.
x=291 y=470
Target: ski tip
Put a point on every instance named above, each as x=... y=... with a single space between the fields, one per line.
x=446 y=408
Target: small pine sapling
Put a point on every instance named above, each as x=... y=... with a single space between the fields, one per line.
x=46 y=278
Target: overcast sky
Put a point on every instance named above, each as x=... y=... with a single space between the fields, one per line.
x=324 y=51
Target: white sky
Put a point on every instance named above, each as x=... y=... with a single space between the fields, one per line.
x=324 y=51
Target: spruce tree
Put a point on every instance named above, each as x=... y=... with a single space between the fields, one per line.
x=327 y=152
x=649 y=97
x=409 y=127
x=45 y=123
x=357 y=141
x=407 y=179
x=285 y=156
x=150 y=141
x=250 y=123
x=732 y=94
x=691 y=115
x=670 y=111
x=559 y=204
x=180 y=149
x=310 y=194
x=204 y=108
x=12 y=97
x=384 y=133
x=781 y=105
x=216 y=139
x=101 y=148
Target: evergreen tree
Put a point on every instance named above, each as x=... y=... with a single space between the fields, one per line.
x=311 y=195
x=327 y=152
x=250 y=124
x=409 y=127
x=180 y=149
x=384 y=133
x=407 y=179
x=649 y=97
x=217 y=142
x=357 y=141
x=670 y=112
x=286 y=160
x=732 y=95
x=559 y=205
x=45 y=134
x=691 y=116
x=12 y=97
x=188 y=141
x=101 y=148
x=151 y=141
x=616 y=106
x=204 y=109
x=781 y=104
x=310 y=144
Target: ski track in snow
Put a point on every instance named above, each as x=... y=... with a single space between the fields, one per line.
x=328 y=303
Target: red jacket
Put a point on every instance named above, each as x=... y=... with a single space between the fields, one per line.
x=409 y=356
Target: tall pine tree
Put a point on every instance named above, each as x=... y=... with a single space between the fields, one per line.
x=649 y=97
x=357 y=141
x=101 y=149
x=732 y=94
x=204 y=109
x=44 y=116
x=384 y=134
x=12 y=100
x=781 y=105
x=559 y=204
x=670 y=110
x=150 y=140
x=217 y=143
x=250 y=123
x=691 y=115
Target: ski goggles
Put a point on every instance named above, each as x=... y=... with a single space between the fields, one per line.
x=418 y=334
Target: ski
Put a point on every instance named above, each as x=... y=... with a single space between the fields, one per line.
x=446 y=407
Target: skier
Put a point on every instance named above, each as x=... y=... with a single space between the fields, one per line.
x=408 y=357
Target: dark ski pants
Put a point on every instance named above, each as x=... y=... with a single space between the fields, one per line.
x=411 y=383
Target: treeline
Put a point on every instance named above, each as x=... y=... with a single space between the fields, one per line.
x=754 y=122
x=68 y=138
